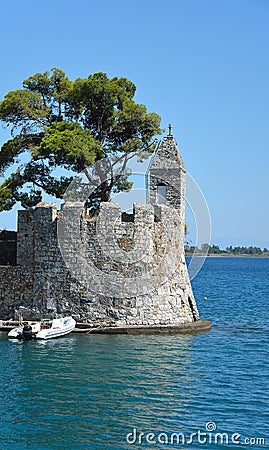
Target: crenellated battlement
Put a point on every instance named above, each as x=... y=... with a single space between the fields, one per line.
x=118 y=268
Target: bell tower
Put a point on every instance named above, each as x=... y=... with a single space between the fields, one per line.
x=167 y=176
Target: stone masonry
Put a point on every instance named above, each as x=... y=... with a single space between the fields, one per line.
x=117 y=269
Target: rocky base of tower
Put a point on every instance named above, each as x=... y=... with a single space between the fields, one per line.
x=186 y=328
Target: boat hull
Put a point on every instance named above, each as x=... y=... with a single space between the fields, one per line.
x=59 y=327
x=27 y=330
x=15 y=333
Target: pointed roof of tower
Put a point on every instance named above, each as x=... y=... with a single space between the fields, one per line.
x=167 y=155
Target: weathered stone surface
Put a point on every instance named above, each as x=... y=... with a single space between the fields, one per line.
x=194 y=327
x=16 y=289
x=117 y=270
x=8 y=248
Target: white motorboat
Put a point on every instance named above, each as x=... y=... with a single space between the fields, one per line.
x=25 y=330
x=56 y=328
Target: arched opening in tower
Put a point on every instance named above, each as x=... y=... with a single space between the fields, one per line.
x=161 y=193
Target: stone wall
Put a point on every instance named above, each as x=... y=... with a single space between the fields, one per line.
x=16 y=289
x=109 y=270
x=117 y=269
x=25 y=238
x=8 y=247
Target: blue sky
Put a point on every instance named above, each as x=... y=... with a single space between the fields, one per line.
x=201 y=64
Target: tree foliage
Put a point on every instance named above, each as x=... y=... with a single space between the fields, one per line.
x=58 y=123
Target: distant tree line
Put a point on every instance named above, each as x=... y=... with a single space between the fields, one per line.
x=216 y=250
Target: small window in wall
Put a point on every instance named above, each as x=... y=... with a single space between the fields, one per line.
x=161 y=193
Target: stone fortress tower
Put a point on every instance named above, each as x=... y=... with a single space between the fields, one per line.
x=167 y=176
x=117 y=272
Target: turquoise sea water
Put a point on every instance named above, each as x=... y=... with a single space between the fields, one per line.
x=90 y=392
